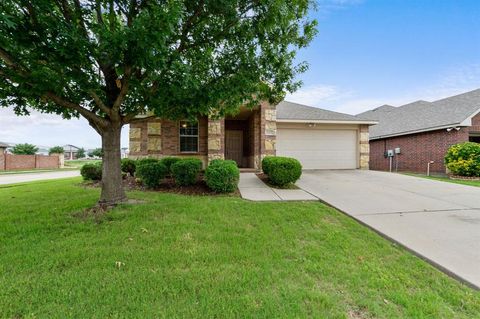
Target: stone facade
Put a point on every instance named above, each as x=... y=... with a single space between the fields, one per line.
x=159 y=138
x=364 y=147
x=216 y=139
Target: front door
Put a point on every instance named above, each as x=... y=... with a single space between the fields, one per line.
x=234 y=146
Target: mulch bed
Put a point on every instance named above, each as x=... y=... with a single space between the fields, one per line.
x=167 y=186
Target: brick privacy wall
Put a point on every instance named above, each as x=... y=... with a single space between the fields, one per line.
x=16 y=162
x=2 y=161
x=418 y=149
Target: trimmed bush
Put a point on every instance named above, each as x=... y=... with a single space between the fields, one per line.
x=185 y=171
x=464 y=159
x=169 y=161
x=144 y=161
x=151 y=173
x=128 y=166
x=92 y=172
x=222 y=176
x=266 y=163
x=282 y=171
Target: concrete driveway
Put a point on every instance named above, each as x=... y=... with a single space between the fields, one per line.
x=29 y=177
x=437 y=220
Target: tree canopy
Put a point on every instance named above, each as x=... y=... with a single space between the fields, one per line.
x=25 y=149
x=56 y=150
x=111 y=60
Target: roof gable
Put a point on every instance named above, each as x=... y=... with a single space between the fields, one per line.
x=294 y=111
x=422 y=116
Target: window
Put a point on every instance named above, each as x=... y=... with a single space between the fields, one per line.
x=188 y=137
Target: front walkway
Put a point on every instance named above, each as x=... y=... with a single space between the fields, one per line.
x=252 y=188
x=29 y=177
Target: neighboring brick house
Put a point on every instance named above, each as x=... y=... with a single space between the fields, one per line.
x=331 y=140
x=423 y=131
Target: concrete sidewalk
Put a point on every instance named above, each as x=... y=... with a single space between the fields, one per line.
x=252 y=188
x=30 y=177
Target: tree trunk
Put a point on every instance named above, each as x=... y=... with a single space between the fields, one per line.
x=112 y=187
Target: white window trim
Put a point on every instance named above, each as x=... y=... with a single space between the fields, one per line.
x=180 y=135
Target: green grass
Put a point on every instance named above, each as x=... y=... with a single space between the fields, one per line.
x=206 y=257
x=79 y=163
x=40 y=170
x=446 y=179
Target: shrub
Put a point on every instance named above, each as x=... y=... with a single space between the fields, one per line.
x=266 y=163
x=128 y=166
x=222 y=176
x=169 y=161
x=151 y=173
x=92 y=172
x=185 y=171
x=282 y=171
x=147 y=160
x=464 y=159
x=55 y=150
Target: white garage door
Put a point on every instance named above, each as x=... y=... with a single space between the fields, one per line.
x=318 y=148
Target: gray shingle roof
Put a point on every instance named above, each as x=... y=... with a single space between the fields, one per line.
x=294 y=111
x=422 y=116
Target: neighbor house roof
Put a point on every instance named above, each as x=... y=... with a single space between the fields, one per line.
x=294 y=112
x=69 y=147
x=422 y=116
x=4 y=145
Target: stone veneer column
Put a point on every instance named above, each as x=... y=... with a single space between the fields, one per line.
x=154 y=137
x=364 y=147
x=216 y=139
x=268 y=130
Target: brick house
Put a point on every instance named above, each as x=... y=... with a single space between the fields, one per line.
x=318 y=138
x=423 y=131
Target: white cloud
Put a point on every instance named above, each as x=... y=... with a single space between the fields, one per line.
x=317 y=95
x=327 y=6
x=48 y=130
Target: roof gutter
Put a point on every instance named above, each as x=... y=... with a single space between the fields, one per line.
x=367 y=122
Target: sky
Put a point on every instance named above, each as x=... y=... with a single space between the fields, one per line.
x=367 y=53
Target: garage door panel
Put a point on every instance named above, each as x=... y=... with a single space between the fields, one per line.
x=319 y=149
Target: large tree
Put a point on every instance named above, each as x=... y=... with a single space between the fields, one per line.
x=111 y=60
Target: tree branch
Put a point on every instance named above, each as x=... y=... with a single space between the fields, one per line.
x=90 y=116
x=99 y=103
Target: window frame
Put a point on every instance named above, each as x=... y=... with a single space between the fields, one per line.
x=180 y=135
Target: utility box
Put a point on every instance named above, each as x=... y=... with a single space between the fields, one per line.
x=390 y=153
x=397 y=150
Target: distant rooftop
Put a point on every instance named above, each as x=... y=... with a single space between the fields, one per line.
x=422 y=116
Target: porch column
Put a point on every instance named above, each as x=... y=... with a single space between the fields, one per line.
x=216 y=139
x=364 y=147
x=268 y=130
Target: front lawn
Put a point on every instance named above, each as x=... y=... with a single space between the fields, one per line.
x=177 y=256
